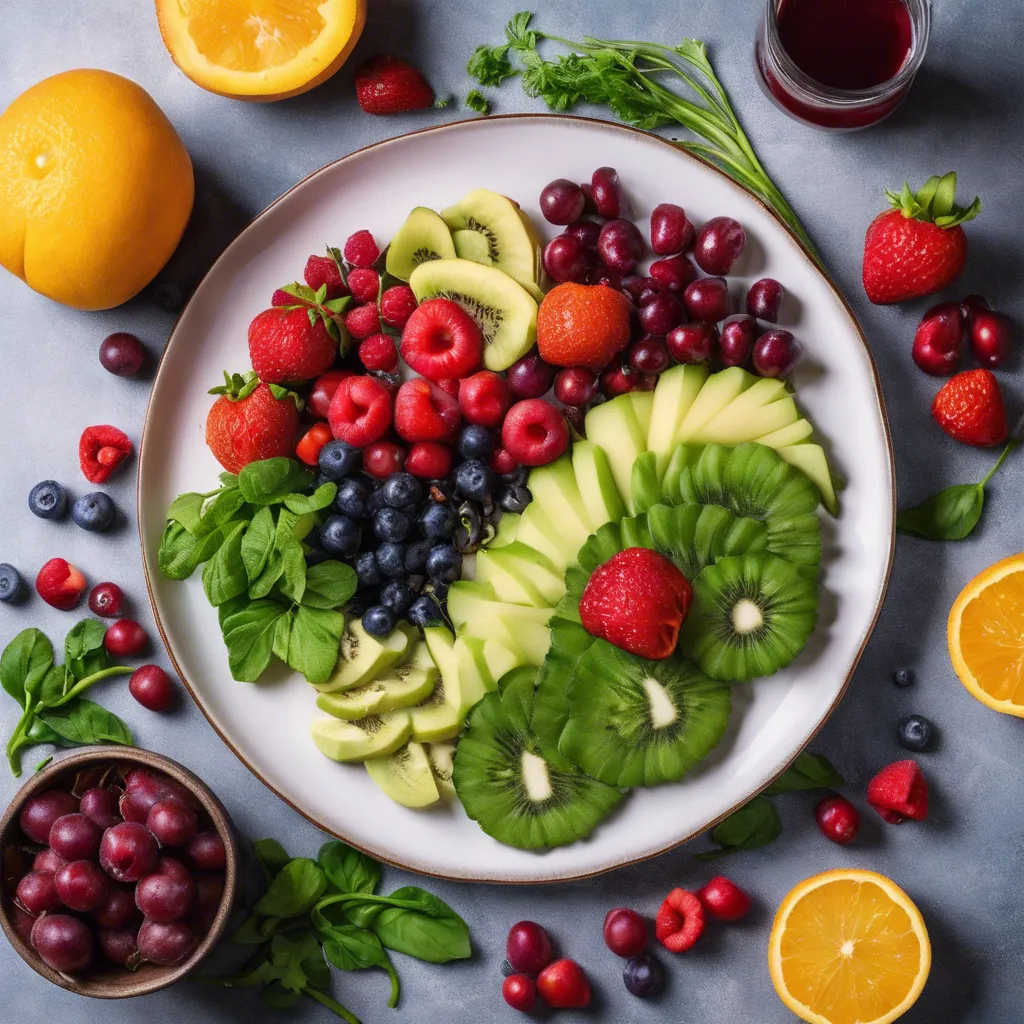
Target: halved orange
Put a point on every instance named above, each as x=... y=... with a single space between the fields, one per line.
x=848 y=947
x=986 y=636
x=260 y=49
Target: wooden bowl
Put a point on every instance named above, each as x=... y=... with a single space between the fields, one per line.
x=105 y=980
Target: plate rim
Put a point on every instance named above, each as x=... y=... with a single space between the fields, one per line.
x=560 y=875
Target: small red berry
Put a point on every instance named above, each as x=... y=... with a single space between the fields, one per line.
x=563 y=985
x=617 y=381
x=680 y=921
x=320 y=271
x=308 y=448
x=319 y=401
x=528 y=948
x=724 y=899
x=125 y=638
x=535 y=432
x=361 y=250
x=383 y=458
x=397 y=304
x=838 y=819
x=362 y=321
x=576 y=385
x=378 y=352
x=364 y=284
x=60 y=584
x=991 y=338
x=519 y=992
x=484 y=398
x=360 y=411
x=625 y=932
x=502 y=462
x=441 y=340
x=105 y=600
x=151 y=686
x=429 y=460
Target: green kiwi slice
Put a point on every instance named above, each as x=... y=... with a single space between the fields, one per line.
x=635 y=722
x=508 y=786
x=751 y=615
x=693 y=536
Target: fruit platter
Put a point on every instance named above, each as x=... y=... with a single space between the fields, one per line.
x=505 y=716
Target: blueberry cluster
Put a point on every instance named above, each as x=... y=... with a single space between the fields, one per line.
x=406 y=537
x=93 y=512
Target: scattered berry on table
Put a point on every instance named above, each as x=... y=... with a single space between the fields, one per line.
x=151 y=686
x=969 y=408
x=336 y=460
x=383 y=458
x=364 y=284
x=441 y=340
x=563 y=985
x=718 y=245
x=312 y=442
x=387 y=85
x=764 y=299
x=644 y=976
x=903 y=677
x=938 y=341
x=48 y=500
x=379 y=620
x=625 y=932
x=680 y=921
x=122 y=354
x=838 y=819
x=93 y=512
x=60 y=584
x=724 y=899
x=429 y=460
x=101 y=449
x=363 y=321
x=915 y=732
x=519 y=991
x=125 y=638
x=378 y=352
x=361 y=249
x=534 y=432
x=528 y=947
x=340 y=536
x=323 y=270
x=397 y=304
x=899 y=791
x=12 y=586
x=991 y=338
x=105 y=600
x=287 y=345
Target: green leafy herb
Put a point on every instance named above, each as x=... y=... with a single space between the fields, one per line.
x=953 y=513
x=224 y=576
x=272 y=480
x=808 y=771
x=83 y=723
x=347 y=869
x=294 y=889
x=84 y=652
x=630 y=78
x=477 y=101
x=329 y=585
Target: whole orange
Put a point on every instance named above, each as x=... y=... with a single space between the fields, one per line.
x=582 y=325
x=95 y=188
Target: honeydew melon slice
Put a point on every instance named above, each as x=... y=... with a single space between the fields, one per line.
x=718 y=391
x=614 y=427
x=594 y=478
x=792 y=434
x=810 y=459
x=676 y=391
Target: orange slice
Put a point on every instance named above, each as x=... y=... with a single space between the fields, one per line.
x=986 y=636
x=260 y=49
x=848 y=947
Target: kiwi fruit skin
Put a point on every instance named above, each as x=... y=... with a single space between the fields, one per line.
x=488 y=777
x=786 y=599
x=612 y=733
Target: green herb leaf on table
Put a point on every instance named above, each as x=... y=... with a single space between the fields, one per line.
x=348 y=870
x=84 y=723
x=84 y=652
x=424 y=927
x=754 y=825
x=294 y=890
x=477 y=101
x=808 y=771
x=490 y=65
x=24 y=664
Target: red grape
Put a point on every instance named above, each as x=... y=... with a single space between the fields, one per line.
x=575 y=385
x=648 y=355
x=620 y=245
x=39 y=813
x=128 y=852
x=625 y=932
x=205 y=852
x=737 y=340
x=707 y=299
x=131 y=809
x=561 y=201
x=528 y=948
x=674 y=273
x=566 y=259
x=118 y=945
x=660 y=313
x=146 y=788
x=118 y=908
x=586 y=232
x=100 y=807
x=64 y=942
x=37 y=892
x=530 y=377
x=991 y=338
x=776 y=353
x=167 y=894
x=75 y=837
x=82 y=885
x=122 y=354
x=125 y=638
x=47 y=860
x=764 y=299
x=719 y=243
x=151 y=686
x=671 y=231
x=606 y=192
x=171 y=822
x=520 y=992
x=165 y=943
x=105 y=600
x=693 y=343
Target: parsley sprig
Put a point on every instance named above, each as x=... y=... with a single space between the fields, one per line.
x=636 y=80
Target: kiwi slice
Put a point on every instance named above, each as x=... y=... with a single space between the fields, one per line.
x=508 y=786
x=751 y=616
x=635 y=722
x=693 y=536
x=423 y=237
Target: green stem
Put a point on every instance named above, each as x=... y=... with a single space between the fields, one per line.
x=395 y=988
x=1010 y=445
x=17 y=741
x=83 y=684
x=331 y=1004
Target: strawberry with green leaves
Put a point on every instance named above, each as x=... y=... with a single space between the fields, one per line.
x=918 y=247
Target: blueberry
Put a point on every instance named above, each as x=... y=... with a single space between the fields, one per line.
x=351 y=498
x=338 y=459
x=915 y=732
x=367 y=571
x=93 y=512
x=903 y=677
x=474 y=441
x=424 y=611
x=474 y=479
x=375 y=502
x=11 y=583
x=439 y=521
x=644 y=976
x=514 y=498
x=518 y=476
x=340 y=535
x=402 y=489
x=391 y=559
x=444 y=563
x=378 y=620
x=391 y=525
x=416 y=556
x=397 y=595
x=48 y=500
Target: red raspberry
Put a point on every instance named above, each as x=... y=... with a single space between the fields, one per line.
x=378 y=352
x=364 y=285
x=383 y=459
x=322 y=270
x=360 y=411
x=680 y=921
x=430 y=460
x=362 y=321
x=101 y=450
x=397 y=304
x=899 y=791
x=361 y=250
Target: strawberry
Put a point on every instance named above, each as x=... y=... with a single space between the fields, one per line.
x=423 y=412
x=251 y=421
x=637 y=601
x=291 y=343
x=442 y=340
x=101 y=450
x=60 y=584
x=918 y=247
x=360 y=411
x=969 y=407
x=680 y=921
x=387 y=85
x=899 y=791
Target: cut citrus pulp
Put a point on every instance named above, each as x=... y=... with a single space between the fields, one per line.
x=848 y=947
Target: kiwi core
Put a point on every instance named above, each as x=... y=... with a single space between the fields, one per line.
x=536 y=780
x=663 y=711
x=746 y=616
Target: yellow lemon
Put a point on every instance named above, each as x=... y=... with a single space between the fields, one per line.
x=848 y=947
x=95 y=188
x=260 y=49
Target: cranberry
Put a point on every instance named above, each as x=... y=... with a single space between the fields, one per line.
x=37 y=892
x=534 y=432
x=719 y=243
x=838 y=819
x=971 y=306
x=82 y=885
x=620 y=245
x=585 y=231
x=528 y=948
x=625 y=932
x=991 y=338
x=165 y=943
x=764 y=299
x=776 y=353
x=125 y=638
x=63 y=942
x=38 y=815
x=576 y=385
x=566 y=259
x=938 y=340
x=319 y=401
x=519 y=992
x=105 y=600
x=707 y=299
x=167 y=894
x=737 y=340
x=118 y=946
x=724 y=899
x=383 y=458
x=617 y=380
x=530 y=376
x=74 y=837
x=606 y=192
x=693 y=343
x=648 y=355
x=171 y=822
x=429 y=460
x=674 y=273
x=118 y=908
x=562 y=201
x=563 y=985
x=100 y=807
x=671 y=230
x=128 y=852
x=151 y=686
x=205 y=852
x=122 y=354
x=661 y=313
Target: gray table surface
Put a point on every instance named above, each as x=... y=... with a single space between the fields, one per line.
x=963 y=866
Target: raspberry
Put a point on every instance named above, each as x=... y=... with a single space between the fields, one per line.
x=378 y=352
x=364 y=285
x=362 y=321
x=361 y=250
x=322 y=270
x=283 y=298
x=101 y=450
x=397 y=304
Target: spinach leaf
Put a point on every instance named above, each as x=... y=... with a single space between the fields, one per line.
x=283 y=634
x=176 y=557
x=293 y=562
x=351 y=948
x=249 y=636
x=84 y=652
x=314 y=642
x=271 y=481
x=294 y=889
x=84 y=723
x=24 y=664
x=302 y=504
x=258 y=543
x=220 y=511
x=271 y=855
x=40 y=732
x=224 y=576
x=347 y=869
x=424 y=926
x=53 y=687
x=754 y=825
x=185 y=510
x=808 y=771
x=329 y=585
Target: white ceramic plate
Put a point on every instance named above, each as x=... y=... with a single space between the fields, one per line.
x=267 y=724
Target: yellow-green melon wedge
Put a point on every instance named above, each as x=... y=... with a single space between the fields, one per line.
x=676 y=391
x=718 y=391
x=810 y=458
x=792 y=434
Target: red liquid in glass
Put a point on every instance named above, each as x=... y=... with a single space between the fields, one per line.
x=846 y=44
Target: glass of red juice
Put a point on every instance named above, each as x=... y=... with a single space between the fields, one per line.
x=840 y=65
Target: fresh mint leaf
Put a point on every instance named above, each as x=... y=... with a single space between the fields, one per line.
x=329 y=584
x=224 y=576
x=293 y=563
x=84 y=653
x=347 y=869
x=257 y=543
x=249 y=637
x=302 y=504
x=808 y=771
x=294 y=890
x=85 y=723
x=314 y=642
x=24 y=664
x=271 y=481
x=754 y=825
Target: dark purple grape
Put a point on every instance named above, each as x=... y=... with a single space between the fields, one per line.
x=75 y=837
x=38 y=815
x=562 y=201
x=172 y=823
x=764 y=299
x=693 y=343
x=776 y=353
x=719 y=243
x=146 y=788
x=128 y=852
x=737 y=340
x=644 y=976
x=165 y=943
x=648 y=355
x=64 y=942
x=22 y=922
x=205 y=852
x=671 y=230
x=707 y=299
x=118 y=908
x=660 y=313
x=100 y=807
x=47 y=860
x=167 y=894
x=585 y=231
x=606 y=192
x=634 y=285
x=118 y=945
x=82 y=885
x=530 y=376
x=620 y=245
x=576 y=385
x=674 y=273
x=566 y=259
x=122 y=354
x=37 y=892
x=209 y=891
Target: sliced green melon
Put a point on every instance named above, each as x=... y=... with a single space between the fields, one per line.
x=810 y=458
x=676 y=391
x=718 y=391
x=614 y=427
x=600 y=496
